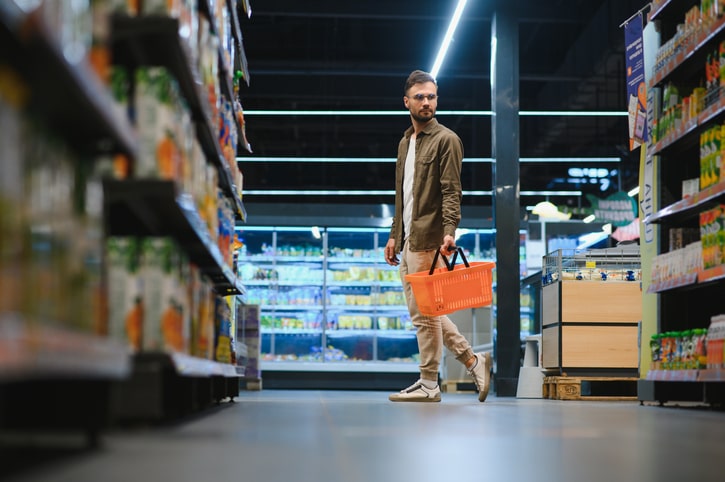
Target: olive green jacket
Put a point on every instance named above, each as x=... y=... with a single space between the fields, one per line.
x=436 y=187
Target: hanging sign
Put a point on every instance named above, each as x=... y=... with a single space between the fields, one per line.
x=636 y=87
x=619 y=209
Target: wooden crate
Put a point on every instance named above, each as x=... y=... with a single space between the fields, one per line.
x=590 y=388
x=591 y=325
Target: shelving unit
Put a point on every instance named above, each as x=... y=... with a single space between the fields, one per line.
x=52 y=375
x=689 y=301
x=154 y=208
x=74 y=105
x=154 y=41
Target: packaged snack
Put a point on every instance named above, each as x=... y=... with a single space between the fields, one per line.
x=124 y=291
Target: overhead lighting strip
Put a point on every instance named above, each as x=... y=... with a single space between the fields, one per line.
x=372 y=192
x=448 y=38
x=468 y=113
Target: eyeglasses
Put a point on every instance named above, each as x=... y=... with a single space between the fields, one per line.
x=420 y=97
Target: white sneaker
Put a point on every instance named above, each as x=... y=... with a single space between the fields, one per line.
x=417 y=392
x=481 y=374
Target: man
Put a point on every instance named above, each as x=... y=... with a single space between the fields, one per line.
x=427 y=213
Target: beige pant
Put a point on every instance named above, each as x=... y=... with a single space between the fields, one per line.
x=432 y=332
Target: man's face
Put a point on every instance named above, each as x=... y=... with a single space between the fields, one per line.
x=421 y=101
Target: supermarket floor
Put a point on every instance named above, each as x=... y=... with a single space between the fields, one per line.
x=351 y=436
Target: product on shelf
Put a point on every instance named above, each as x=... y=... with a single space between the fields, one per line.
x=677 y=264
x=166 y=317
x=248 y=324
x=159 y=114
x=712 y=236
x=223 y=330
x=716 y=342
x=124 y=290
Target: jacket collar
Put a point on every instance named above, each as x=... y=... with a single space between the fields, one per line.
x=428 y=129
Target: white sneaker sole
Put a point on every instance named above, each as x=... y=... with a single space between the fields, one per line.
x=487 y=362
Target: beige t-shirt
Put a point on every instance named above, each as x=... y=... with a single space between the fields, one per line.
x=408 y=187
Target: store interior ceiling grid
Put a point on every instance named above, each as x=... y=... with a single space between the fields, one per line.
x=341 y=55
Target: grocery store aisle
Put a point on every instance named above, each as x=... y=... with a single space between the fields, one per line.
x=359 y=436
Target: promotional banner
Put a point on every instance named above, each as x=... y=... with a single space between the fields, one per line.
x=636 y=86
x=619 y=209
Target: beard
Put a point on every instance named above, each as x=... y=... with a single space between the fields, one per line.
x=423 y=115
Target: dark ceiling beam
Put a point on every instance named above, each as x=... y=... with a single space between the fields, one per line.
x=302 y=72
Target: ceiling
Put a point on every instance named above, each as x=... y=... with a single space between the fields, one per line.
x=337 y=55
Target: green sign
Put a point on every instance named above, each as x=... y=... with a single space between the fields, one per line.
x=619 y=209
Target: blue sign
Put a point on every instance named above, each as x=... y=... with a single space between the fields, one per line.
x=636 y=86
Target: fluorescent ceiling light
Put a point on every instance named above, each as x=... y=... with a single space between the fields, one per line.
x=633 y=192
x=374 y=192
x=471 y=113
x=575 y=113
x=448 y=38
x=467 y=160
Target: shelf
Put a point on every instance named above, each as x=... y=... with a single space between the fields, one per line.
x=153 y=208
x=352 y=284
x=69 y=98
x=343 y=332
x=701 y=41
x=713 y=274
x=689 y=207
x=680 y=282
x=237 y=34
x=278 y=308
x=343 y=366
x=381 y=310
x=187 y=365
x=353 y=261
x=663 y=9
x=706 y=375
x=38 y=351
x=155 y=41
x=291 y=331
x=674 y=138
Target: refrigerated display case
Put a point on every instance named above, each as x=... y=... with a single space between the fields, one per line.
x=328 y=299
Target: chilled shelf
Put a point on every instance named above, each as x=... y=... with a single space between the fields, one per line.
x=69 y=98
x=154 y=40
x=32 y=350
x=154 y=208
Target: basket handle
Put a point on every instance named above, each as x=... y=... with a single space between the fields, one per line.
x=449 y=265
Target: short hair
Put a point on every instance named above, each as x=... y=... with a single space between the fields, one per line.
x=417 y=77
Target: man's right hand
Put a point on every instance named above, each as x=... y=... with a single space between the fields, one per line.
x=390 y=257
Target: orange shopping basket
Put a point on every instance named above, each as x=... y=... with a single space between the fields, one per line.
x=440 y=291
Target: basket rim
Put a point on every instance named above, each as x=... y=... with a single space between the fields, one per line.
x=443 y=271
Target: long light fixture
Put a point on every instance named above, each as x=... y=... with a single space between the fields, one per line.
x=467 y=113
x=381 y=192
x=448 y=38
x=467 y=160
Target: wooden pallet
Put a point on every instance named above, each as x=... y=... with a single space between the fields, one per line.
x=251 y=384
x=458 y=386
x=590 y=388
